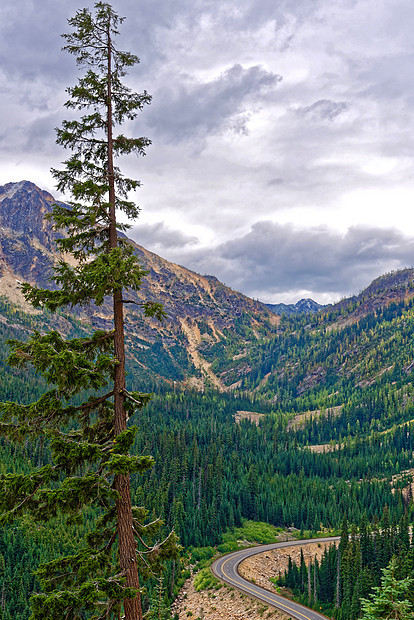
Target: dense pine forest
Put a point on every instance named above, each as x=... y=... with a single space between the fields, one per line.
x=340 y=447
x=210 y=474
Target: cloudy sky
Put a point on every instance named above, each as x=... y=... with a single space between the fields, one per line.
x=283 y=133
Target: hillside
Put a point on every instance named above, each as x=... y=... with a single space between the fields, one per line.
x=349 y=345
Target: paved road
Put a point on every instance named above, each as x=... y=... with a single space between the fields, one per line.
x=226 y=569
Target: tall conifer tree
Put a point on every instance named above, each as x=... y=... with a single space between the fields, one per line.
x=91 y=461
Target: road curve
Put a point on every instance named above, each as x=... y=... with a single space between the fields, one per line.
x=226 y=569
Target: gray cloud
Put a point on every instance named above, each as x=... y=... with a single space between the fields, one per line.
x=200 y=108
x=323 y=110
x=30 y=40
x=276 y=181
x=255 y=12
x=160 y=238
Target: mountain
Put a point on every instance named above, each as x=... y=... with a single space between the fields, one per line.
x=216 y=336
x=199 y=308
x=315 y=421
x=303 y=306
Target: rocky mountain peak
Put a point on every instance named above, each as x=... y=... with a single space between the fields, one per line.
x=27 y=241
x=307 y=305
x=303 y=306
x=22 y=209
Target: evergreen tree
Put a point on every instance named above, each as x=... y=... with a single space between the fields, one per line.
x=389 y=599
x=90 y=442
x=158 y=609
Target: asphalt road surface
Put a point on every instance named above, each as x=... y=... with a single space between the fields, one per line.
x=226 y=569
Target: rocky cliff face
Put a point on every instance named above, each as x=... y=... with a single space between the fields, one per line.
x=27 y=247
x=198 y=308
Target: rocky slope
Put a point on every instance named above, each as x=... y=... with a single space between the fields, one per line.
x=199 y=308
x=223 y=604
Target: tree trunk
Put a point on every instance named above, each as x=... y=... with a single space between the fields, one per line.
x=338 y=581
x=126 y=540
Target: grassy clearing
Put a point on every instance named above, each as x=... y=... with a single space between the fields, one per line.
x=255 y=532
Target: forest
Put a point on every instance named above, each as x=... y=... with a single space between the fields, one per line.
x=211 y=474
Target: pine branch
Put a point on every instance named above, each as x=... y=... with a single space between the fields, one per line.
x=91 y=405
x=140 y=403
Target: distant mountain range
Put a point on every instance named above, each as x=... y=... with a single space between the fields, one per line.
x=303 y=306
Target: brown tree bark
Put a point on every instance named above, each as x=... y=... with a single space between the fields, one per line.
x=126 y=540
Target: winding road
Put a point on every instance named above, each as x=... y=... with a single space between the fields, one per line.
x=226 y=569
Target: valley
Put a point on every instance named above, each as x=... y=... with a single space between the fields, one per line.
x=296 y=420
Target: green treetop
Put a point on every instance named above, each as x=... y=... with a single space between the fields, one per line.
x=389 y=600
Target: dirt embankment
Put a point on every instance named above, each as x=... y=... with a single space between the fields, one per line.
x=301 y=419
x=270 y=564
x=223 y=604
x=252 y=416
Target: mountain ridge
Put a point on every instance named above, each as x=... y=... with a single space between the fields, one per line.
x=303 y=306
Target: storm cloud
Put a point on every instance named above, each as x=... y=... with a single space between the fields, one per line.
x=161 y=238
